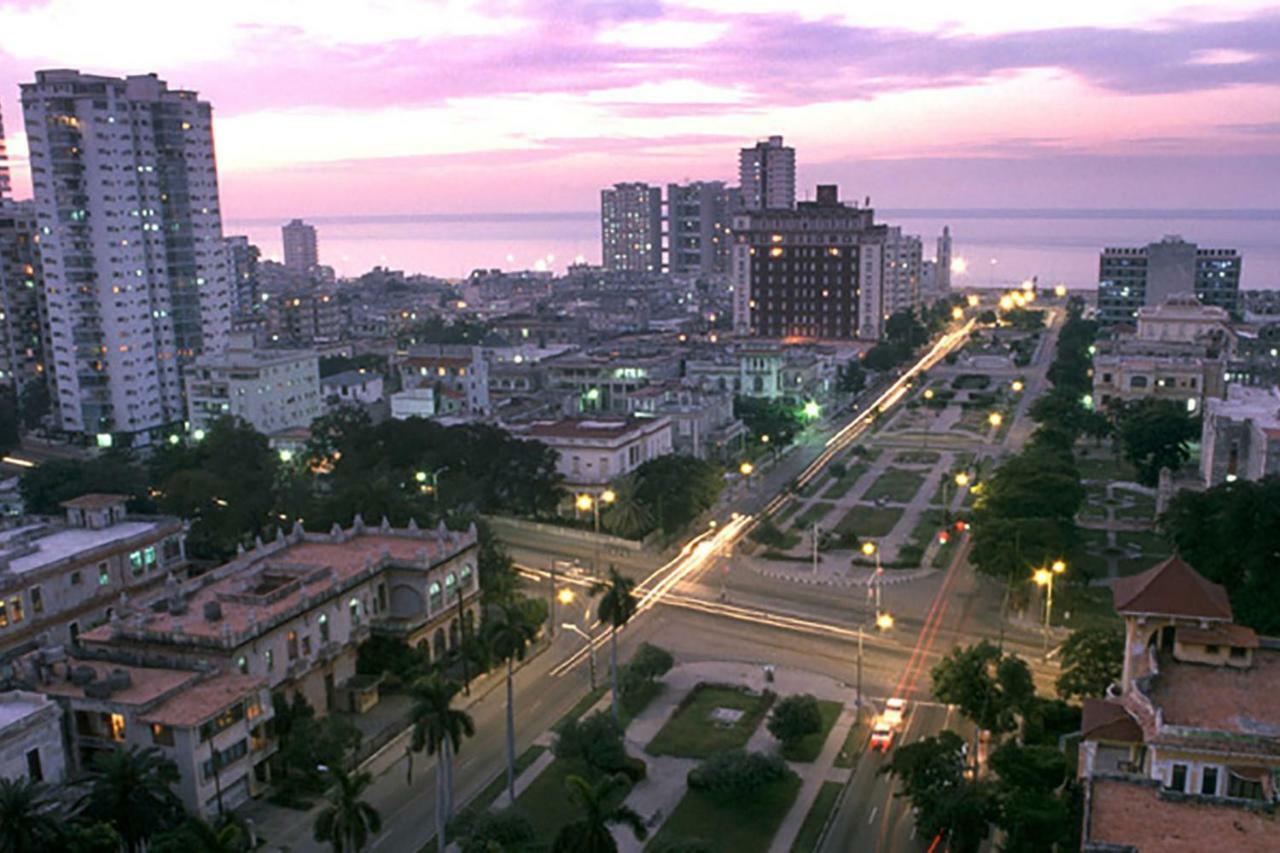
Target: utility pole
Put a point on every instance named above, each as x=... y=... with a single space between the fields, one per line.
x=815 y=547
x=551 y=600
x=462 y=641
x=858 y=703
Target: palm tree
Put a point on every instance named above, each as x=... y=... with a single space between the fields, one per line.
x=198 y=836
x=439 y=728
x=132 y=790
x=347 y=821
x=590 y=832
x=28 y=818
x=510 y=631
x=628 y=516
x=617 y=606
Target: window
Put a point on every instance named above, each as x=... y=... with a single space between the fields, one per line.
x=242 y=664
x=450 y=587
x=104 y=575
x=149 y=557
x=117 y=727
x=1209 y=781
x=161 y=735
x=1137 y=382
x=75 y=578
x=1178 y=778
x=34 y=771
x=4 y=615
x=465 y=577
x=291 y=645
x=1242 y=788
x=135 y=563
x=270 y=658
x=354 y=606
x=1213 y=650
x=37 y=600
x=434 y=594
x=324 y=627
x=15 y=608
x=1238 y=652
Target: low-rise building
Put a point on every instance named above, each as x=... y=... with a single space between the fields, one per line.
x=602 y=379
x=59 y=577
x=1140 y=372
x=352 y=387
x=270 y=389
x=702 y=422
x=457 y=374
x=31 y=738
x=1189 y=740
x=593 y=452
x=1240 y=436
x=413 y=403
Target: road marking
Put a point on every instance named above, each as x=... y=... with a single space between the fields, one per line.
x=872 y=819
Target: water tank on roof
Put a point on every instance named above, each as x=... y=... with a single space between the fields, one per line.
x=82 y=675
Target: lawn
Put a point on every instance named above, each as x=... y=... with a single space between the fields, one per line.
x=869 y=522
x=807 y=749
x=781 y=516
x=895 y=485
x=927 y=527
x=546 y=801
x=1105 y=466
x=807 y=839
x=1153 y=545
x=1089 y=606
x=854 y=742
x=812 y=514
x=1139 y=512
x=916 y=457
x=692 y=733
x=814 y=486
x=744 y=826
x=841 y=487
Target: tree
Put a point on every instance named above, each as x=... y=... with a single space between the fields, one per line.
x=852 y=377
x=439 y=728
x=198 y=836
x=510 y=631
x=132 y=790
x=29 y=820
x=44 y=488
x=1231 y=534
x=34 y=404
x=678 y=489
x=9 y=432
x=1092 y=659
x=595 y=742
x=484 y=831
x=497 y=571
x=990 y=688
x=947 y=803
x=347 y=821
x=617 y=606
x=628 y=516
x=599 y=809
x=794 y=718
x=650 y=661
x=1031 y=813
x=734 y=774
x=763 y=417
x=1155 y=434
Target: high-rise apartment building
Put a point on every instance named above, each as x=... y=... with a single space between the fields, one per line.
x=767 y=175
x=903 y=257
x=301 y=253
x=631 y=228
x=136 y=282
x=698 y=228
x=242 y=262
x=815 y=272
x=1130 y=278
x=942 y=279
x=4 y=161
x=21 y=340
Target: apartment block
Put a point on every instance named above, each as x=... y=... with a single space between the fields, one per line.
x=31 y=738
x=271 y=389
x=21 y=289
x=136 y=279
x=457 y=375
x=815 y=272
x=631 y=228
x=242 y=263
x=1240 y=436
x=903 y=257
x=61 y=577
x=301 y=249
x=698 y=228
x=1129 y=278
x=767 y=175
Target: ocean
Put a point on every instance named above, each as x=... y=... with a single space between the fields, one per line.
x=999 y=246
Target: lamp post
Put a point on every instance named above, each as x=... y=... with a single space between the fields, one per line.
x=928 y=395
x=869 y=548
x=429 y=482
x=566 y=597
x=586 y=502
x=961 y=480
x=745 y=470
x=1044 y=577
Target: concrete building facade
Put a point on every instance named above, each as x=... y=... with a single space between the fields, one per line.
x=21 y=290
x=1129 y=278
x=767 y=175
x=271 y=389
x=631 y=228
x=594 y=452
x=698 y=228
x=1240 y=436
x=903 y=258
x=136 y=279
x=242 y=262
x=301 y=249
x=31 y=738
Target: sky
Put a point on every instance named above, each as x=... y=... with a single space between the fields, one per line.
x=327 y=108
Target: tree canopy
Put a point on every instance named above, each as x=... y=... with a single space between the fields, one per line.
x=1092 y=659
x=1155 y=434
x=992 y=689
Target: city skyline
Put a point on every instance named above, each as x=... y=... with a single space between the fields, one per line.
x=521 y=107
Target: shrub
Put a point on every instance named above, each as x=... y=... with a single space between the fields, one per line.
x=768 y=534
x=794 y=718
x=479 y=831
x=736 y=773
x=650 y=661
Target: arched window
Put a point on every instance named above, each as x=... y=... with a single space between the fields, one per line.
x=450 y=586
x=354 y=606
x=435 y=595
x=465 y=578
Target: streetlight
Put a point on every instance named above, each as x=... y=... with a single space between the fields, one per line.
x=432 y=488
x=869 y=548
x=962 y=479
x=995 y=419
x=928 y=393
x=812 y=410
x=745 y=469
x=957 y=313
x=567 y=597
x=1044 y=577
x=1017 y=385
x=586 y=502
x=884 y=621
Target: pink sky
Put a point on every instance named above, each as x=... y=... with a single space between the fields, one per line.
x=329 y=108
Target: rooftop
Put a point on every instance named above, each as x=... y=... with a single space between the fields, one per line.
x=1242 y=402
x=1136 y=815
x=146 y=683
x=17 y=705
x=95 y=501
x=591 y=428
x=1109 y=721
x=352 y=377
x=64 y=543
x=1172 y=588
x=204 y=700
x=1221 y=698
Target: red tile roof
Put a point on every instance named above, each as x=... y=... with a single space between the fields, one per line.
x=1135 y=814
x=1219 y=635
x=204 y=700
x=95 y=501
x=1172 y=588
x=1109 y=721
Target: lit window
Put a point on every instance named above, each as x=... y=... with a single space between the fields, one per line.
x=324 y=627
x=104 y=576
x=117 y=727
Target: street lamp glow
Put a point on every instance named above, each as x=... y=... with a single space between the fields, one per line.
x=286 y=456
x=928 y=393
x=764 y=439
x=584 y=502
x=1017 y=385
x=198 y=435
x=995 y=419
x=1058 y=567
x=565 y=596
x=1060 y=290
x=974 y=300
x=957 y=313
x=868 y=548
x=884 y=621
x=745 y=469
x=421 y=476
x=962 y=479
x=608 y=496
x=1006 y=303
x=812 y=410
x=1042 y=577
